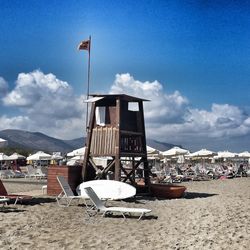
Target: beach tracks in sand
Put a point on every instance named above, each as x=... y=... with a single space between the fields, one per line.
x=218 y=218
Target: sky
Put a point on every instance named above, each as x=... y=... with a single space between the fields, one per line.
x=191 y=59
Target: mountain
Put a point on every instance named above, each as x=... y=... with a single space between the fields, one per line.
x=76 y=143
x=162 y=146
x=35 y=141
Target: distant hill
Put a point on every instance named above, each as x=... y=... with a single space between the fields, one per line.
x=37 y=141
x=34 y=141
x=76 y=143
x=162 y=146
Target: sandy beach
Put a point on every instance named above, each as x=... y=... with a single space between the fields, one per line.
x=212 y=215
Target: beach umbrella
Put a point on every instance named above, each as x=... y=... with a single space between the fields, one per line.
x=76 y=158
x=175 y=151
x=79 y=151
x=151 y=150
x=4 y=157
x=3 y=143
x=203 y=153
x=16 y=156
x=40 y=155
x=226 y=154
x=153 y=153
x=244 y=154
x=56 y=156
x=73 y=160
x=71 y=154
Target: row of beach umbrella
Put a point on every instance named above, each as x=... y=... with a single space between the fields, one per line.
x=13 y=157
x=203 y=153
x=152 y=153
x=40 y=155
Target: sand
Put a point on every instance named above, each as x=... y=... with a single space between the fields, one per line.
x=212 y=215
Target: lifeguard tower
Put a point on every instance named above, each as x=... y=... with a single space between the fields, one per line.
x=116 y=130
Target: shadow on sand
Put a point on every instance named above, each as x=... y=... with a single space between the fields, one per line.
x=187 y=195
x=133 y=217
x=194 y=195
x=34 y=201
x=41 y=200
x=8 y=209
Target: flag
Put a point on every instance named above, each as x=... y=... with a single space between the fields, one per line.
x=84 y=45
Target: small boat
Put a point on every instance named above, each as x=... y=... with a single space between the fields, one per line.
x=167 y=191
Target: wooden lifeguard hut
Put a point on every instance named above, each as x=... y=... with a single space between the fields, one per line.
x=116 y=130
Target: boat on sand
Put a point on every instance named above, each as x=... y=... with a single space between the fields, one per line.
x=167 y=191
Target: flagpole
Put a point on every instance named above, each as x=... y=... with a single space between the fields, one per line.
x=87 y=112
x=85 y=45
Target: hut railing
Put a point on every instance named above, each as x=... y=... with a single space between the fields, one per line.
x=104 y=139
x=131 y=143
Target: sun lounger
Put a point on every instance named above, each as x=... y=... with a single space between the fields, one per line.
x=39 y=174
x=66 y=196
x=9 y=173
x=43 y=169
x=31 y=171
x=3 y=200
x=16 y=197
x=100 y=206
x=5 y=174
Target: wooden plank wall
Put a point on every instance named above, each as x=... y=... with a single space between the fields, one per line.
x=103 y=141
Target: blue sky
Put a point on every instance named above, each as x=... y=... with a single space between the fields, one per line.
x=191 y=58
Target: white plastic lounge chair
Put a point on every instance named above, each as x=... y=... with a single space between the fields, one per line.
x=44 y=170
x=3 y=200
x=9 y=173
x=39 y=174
x=66 y=196
x=31 y=171
x=100 y=206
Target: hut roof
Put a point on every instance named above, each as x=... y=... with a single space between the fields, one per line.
x=121 y=96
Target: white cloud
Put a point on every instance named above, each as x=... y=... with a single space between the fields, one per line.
x=36 y=87
x=170 y=118
x=162 y=108
x=3 y=87
x=47 y=104
x=21 y=122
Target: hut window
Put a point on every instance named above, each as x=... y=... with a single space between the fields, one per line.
x=100 y=116
x=133 y=106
